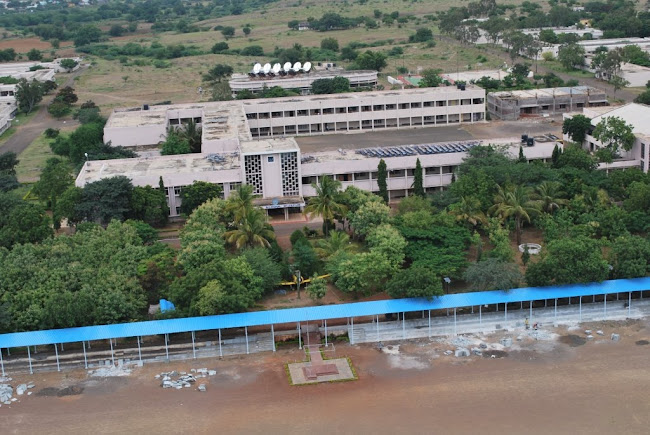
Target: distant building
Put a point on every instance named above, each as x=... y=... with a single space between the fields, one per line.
x=512 y=105
x=304 y=26
x=301 y=82
x=637 y=115
x=636 y=75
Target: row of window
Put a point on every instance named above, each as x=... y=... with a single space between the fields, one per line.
x=368 y=108
x=395 y=173
x=184 y=121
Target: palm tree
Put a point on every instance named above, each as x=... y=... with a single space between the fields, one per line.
x=191 y=132
x=548 y=196
x=338 y=241
x=324 y=204
x=252 y=230
x=241 y=202
x=468 y=209
x=514 y=201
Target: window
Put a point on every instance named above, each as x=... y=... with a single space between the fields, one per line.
x=366 y=108
x=289 y=114
x=344 y=177
x=308 y=180
x=374 y=175
x=390 y=106
x=197 y=120
x=178 y=210
x=174 y=121
x=276 y=114
x=302 y=113
x=270 y=159
x=434 y=170
x=415 y=105
x=410 y=172
x=177 y=191
x=378 y=107
x=396 y=173
x=328 y=111
x=353 y=109
x=358 y=176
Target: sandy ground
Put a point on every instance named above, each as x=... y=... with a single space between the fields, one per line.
x=557 y=385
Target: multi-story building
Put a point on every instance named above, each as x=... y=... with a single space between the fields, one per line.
x=237 y=146
x=301 y=82
x=636 y=115
x=512 y=105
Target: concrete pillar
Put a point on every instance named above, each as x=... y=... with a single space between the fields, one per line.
x=273 y=337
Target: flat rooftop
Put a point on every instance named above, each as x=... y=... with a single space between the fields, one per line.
x=548 y=92
x=264 y=146
x=635 y=114
x=312 y=75
x=358 y=95
x=154 y=167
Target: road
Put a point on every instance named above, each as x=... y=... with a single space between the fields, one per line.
x=26 y=134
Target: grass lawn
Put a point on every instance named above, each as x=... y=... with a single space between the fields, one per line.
x=32 y=160
x=557 y=66
x=20 y=119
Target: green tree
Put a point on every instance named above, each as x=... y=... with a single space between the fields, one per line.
x=240 y=202
x=8 y=163
x=329 y=44
x=630 y=257
x=66 y=95
x=28 y=95
x=614 y=133
x=325 y=204
x=638 y=197
x=252 y=230
x=571 y=56
x=148 y=205
x=197 y=193
x=191 y=133
x=576 y=157
x=618 y=82
x=515 y=202
x=567 y=261
x=54 y=180
x=246 y=30
x=337 y=242
x=493 y=274
x=317 y=288
x=22 y=222
x=228 y=32
x=219 y=47
x=576 y=127
x=500 y=239
x=116 y=30
x=264 y=267
x=387 y=241
x=58 y=109
x=217 y=73
x=371 y=60
x=305 y=258
x=34 y=54
x=175 y=144
x=66 y=206
x=382 y=183
x=421 y=35
x=361 y=273
x=369 y=216
x=106 y=199
x=415 y=282
x=87 y=34
x=431 y=78
x=548 y=196
x=468 y=210
x=418 y=183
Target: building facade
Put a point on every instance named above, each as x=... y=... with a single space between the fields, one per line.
x=636 y=115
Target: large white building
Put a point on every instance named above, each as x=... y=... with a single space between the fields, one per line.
x=237 y=146
x=637 y=115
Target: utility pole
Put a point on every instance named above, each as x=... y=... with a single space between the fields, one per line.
x=298 y=279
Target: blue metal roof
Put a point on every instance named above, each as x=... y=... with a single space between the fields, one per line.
x=294 y=315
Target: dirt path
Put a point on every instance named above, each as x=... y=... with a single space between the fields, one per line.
x=600 y=387
x=26 y=134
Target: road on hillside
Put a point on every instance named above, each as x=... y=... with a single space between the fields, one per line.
x=26 y=134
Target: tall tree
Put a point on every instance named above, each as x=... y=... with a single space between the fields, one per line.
x=418 y=182
x=493 y=274
x=549 y=196
x=240 y=202
x=192 y=134
x=515 y=202
x=28 y=94
x=417 y=281
x=337 y=242
x=382 y=182
x=325 y=204
x=252 y=230
x=55 y=179
x=106 y=199
x=198 y=193
x=615 y=133
x=468 y=210
x=576 y=127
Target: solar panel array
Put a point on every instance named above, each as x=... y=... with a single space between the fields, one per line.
x=411 y=150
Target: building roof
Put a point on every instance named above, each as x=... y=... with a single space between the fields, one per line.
x=266 y=146
x=638 y=115
x=548 y=92
x=324 y=312
x=148 y=170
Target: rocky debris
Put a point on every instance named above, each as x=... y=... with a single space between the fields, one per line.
x=599 y=332
x=202 y=388
x=110 y=371
x=476 y=351
x=6 y=391
x=448 y=352
x=20 y=389
x=483 y=346
x=588 y=331
x=616 y=337
x=520 y=337
x=461 y=352
x=182 y=380
x=590 y=337
x=506 y=341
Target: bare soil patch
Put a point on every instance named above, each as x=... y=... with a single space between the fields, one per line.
x=573 y=340
x=23 y=45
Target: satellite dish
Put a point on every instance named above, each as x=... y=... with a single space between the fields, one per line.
x=257 y=68
x=276 y=68
x=297 y=66
x=267 y=68
x=307 y=66
x=287 y=66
